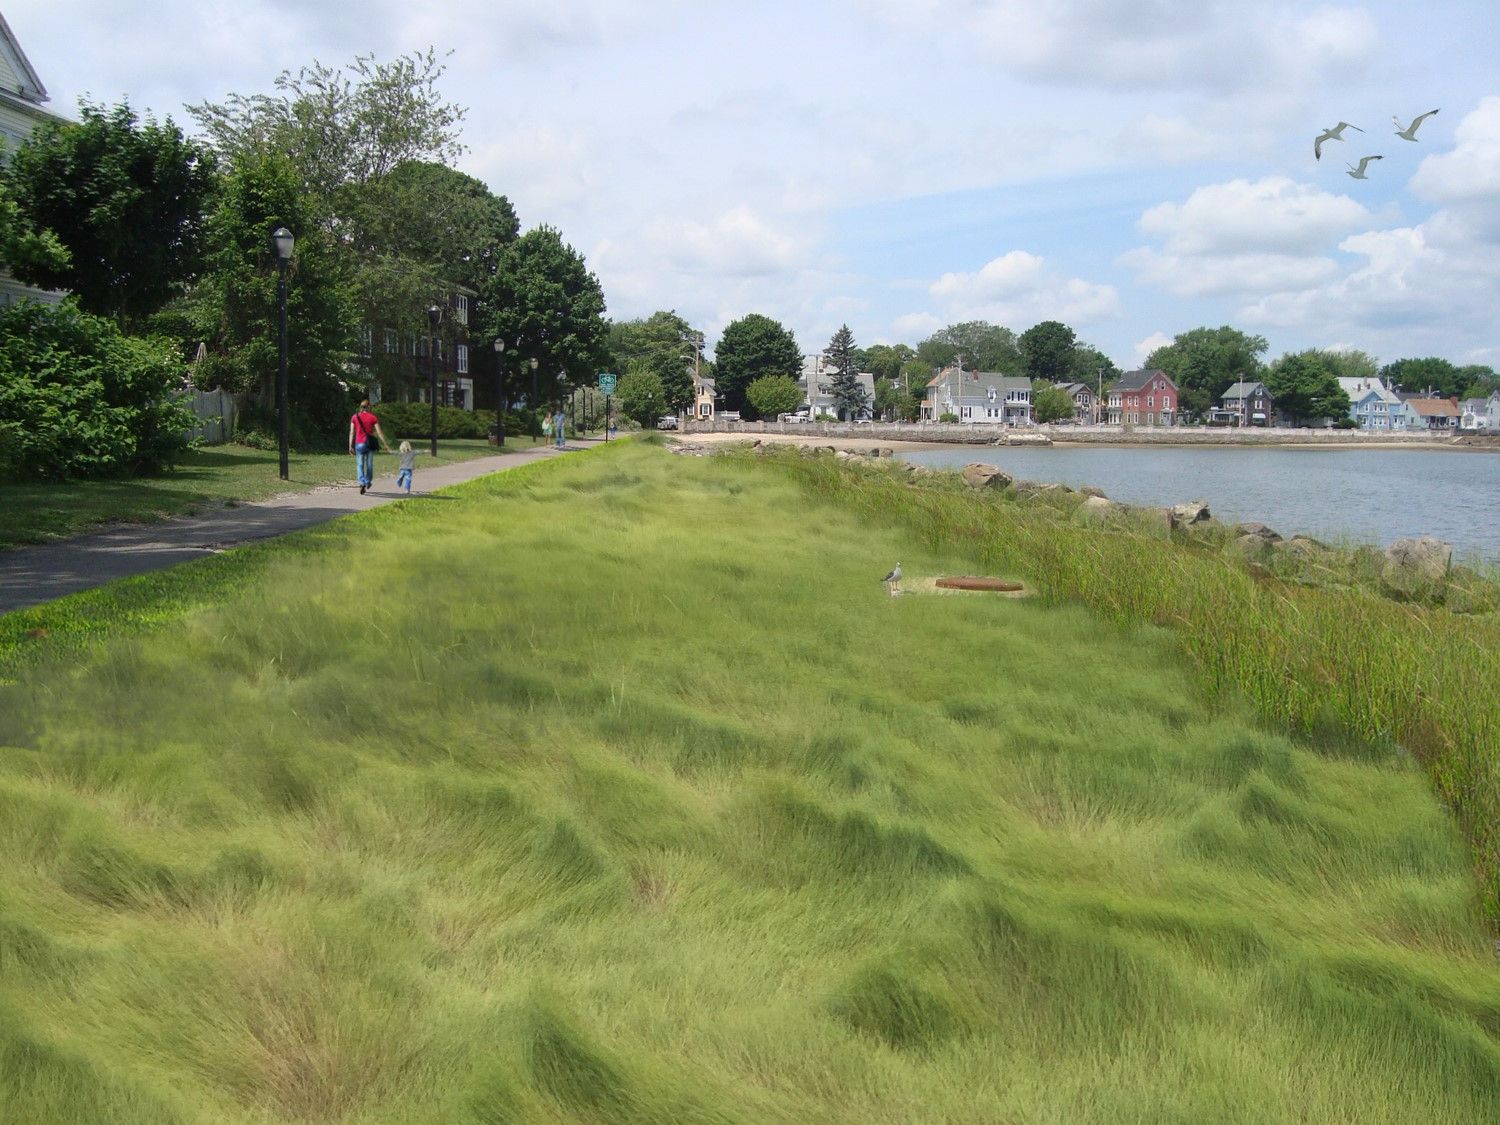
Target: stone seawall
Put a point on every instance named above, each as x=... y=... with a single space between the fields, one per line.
x=947 y=433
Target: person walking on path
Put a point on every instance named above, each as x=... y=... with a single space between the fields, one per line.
x=547 y=426
x=560 y=427
x=408 y=463
x=364 y=431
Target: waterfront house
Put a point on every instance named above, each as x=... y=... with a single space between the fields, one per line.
x=704 y=395
x=1436 y=413
x=1143 y=398
x=1084 y=402
x=978 y=397
x=1480 y=414
x=1379 y=409
x=23 y=101
x=1357 y=387
x=1245 y=404
x=816 y=381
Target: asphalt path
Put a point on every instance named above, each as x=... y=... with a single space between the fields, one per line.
x=30 y=576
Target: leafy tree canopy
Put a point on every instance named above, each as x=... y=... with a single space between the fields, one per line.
x=544 y=301
x=127 y=199
x=1209 y=360
x=1348 y=363
x=25 y=247
x=751 y=348
x=1047 y=351
x=884 y=360
x=663 y=344
x=641 y=397
x=1051 y=403
x=1479 y=381
x=1440 y=375
x=1091 y=366
x=983 y=346
x=771 y=395
x=1306 y=388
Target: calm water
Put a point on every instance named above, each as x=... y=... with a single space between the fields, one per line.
x=1361 y=495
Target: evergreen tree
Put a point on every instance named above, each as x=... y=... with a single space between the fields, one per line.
x=849 y=398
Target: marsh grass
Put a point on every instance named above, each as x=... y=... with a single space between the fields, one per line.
x=618 y=790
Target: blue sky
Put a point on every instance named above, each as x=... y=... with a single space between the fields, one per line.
x=1132 y=168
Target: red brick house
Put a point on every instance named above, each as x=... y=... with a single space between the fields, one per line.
x=1143 y=398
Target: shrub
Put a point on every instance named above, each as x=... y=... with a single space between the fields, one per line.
x=79 y=399
x=414 y=420
x=948 y=416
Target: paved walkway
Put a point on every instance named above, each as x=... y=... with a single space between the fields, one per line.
x=32 y=575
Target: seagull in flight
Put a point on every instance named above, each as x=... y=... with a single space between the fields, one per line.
x=1359 y=173
x=893 y=579
x=1410 y=132
x=1334 y=134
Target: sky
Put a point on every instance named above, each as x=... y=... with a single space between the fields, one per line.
x=1134 y=168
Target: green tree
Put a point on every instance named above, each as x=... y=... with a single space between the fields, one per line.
x=1205 y=362
x=1092 y=367
x=1051 y=403
x=79 y=399
x=233 y=308
x=1479 y=381
x=1306 y=389
x=128 y=201
x=545 y=302
x=641 y=397
x=1047 y=351
x=25 y=246
x=751 y=348
x=772 y=395
x=983 y=346
x=884 y=360
x=849 y=398
x=1349 y=364
x=663 y=344
x=1443 y=377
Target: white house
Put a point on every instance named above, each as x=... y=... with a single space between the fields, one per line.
x=978 y=397
x=22 y=108
x=1477 y=414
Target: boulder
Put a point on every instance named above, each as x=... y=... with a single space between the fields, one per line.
x=1097 y=493
x=1253 y=548
x=1299 y=547
x=1425 y=559
x=1097 y=509
x=977 y=474
x=1259 y=530
x=1195 y=511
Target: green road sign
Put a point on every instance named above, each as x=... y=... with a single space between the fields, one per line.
x=606 y=384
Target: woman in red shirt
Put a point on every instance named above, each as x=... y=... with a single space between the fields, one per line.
x=364 y=431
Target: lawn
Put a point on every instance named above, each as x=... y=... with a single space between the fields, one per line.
x=615 y=788
x=211 y=475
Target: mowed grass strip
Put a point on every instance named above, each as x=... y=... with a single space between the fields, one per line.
x=616 y=789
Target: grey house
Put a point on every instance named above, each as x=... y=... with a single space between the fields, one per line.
x=1245 y=404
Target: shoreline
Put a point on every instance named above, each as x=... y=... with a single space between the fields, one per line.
x=862 y=444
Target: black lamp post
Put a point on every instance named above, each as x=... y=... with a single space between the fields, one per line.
x=533 y=363
x=282 y=239
x=499 y=392
x=434 y=314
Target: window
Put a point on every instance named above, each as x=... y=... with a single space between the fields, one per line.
x=392 y=342
x=463 y=357
x=1150 y=400
x=461 y=308
x=965 y=411
x=366 y=340
x=419 y=346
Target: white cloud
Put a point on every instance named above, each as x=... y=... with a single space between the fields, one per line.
x=1015 y=289
x=1470 y=173
x=1145 y=347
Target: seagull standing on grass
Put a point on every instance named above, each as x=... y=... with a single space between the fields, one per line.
x=893 y=580
x=1410 y=132
x=1334 y=134
x=1359 y=173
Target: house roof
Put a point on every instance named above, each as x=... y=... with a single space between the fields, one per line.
x=1356 y=386
x=1137 y=380
x=1433 y=407
x=1377 y=392
x=1243 y=389
x=977 y=384
x=1073 y=388
x=29 y=85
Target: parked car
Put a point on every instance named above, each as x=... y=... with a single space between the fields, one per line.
x=729 y=415
x=800 y=416
x=667 y=422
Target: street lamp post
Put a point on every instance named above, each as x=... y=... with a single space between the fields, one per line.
x=499 y=392
x=283 y=240
x=434 y=314
x=532 y=362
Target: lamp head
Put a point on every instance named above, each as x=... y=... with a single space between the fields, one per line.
x=499 y=347
x=434 y=314
x=534 y=363
x=283 y=241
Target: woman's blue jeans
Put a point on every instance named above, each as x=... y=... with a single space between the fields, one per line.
x=364 y=463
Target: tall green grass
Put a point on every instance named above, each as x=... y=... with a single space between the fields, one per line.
x=1337 y=664
x=616 y=789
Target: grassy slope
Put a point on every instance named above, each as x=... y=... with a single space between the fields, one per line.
x=34 y=512
x=682 y=819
